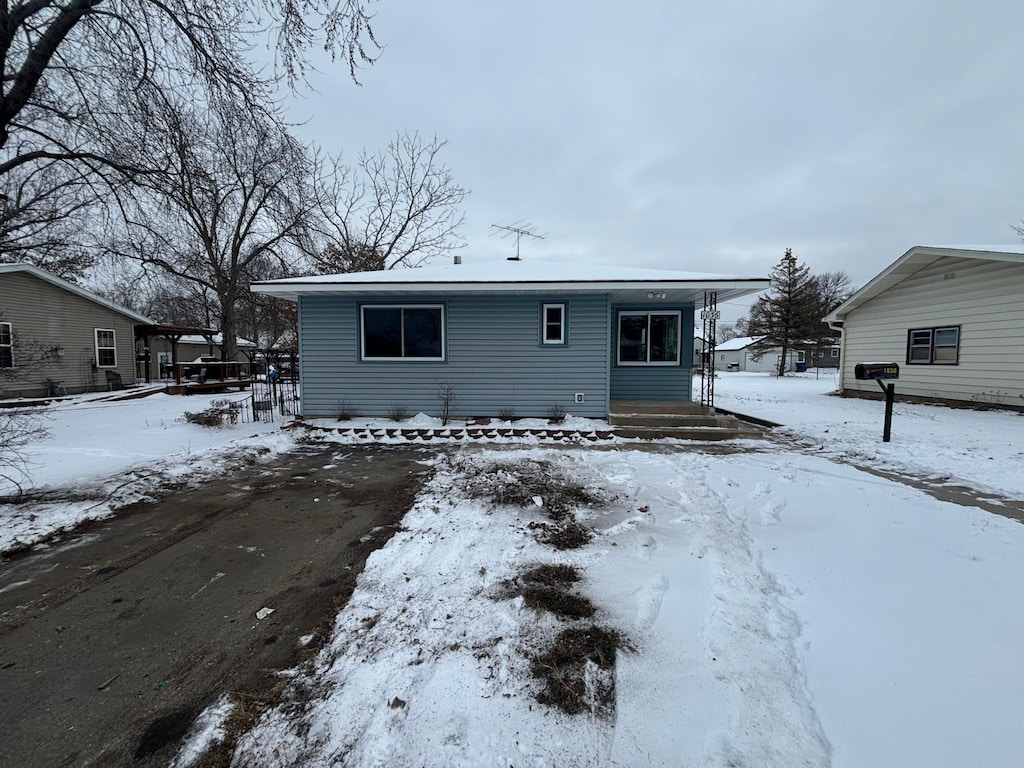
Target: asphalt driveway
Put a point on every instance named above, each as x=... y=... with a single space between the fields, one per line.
x=114 y=640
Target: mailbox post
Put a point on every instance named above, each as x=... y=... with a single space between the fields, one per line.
x=878 y=372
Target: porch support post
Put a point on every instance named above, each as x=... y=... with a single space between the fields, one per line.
x=709 y=315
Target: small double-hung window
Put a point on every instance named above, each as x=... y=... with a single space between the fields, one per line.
x=6 y=346
x=106 y=348
x=553 y=323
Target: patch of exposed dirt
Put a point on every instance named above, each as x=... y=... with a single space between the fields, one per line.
x=520 y=483
x=578 y=671
x=533 y=484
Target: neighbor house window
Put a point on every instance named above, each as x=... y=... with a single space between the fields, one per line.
x=834 y=352
x=649 y=338
x=6 y=346
x=106 y=349
x=411 y=332
x=553 y=317
x=800 y=358
x=933 y=346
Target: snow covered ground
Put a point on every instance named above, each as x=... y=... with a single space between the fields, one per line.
x=779 y=608
x=978 y=449
x=99 y=455
x=776 y=606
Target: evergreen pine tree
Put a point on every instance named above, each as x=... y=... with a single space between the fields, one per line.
x=789 y=315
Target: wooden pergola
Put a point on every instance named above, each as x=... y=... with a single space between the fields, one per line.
x=173 y=334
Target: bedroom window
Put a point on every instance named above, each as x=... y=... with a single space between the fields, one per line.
x=403 y=332
x=649 y=338
x=933 y=346
x=6 y=346
x=553 y=321
x=106 y=348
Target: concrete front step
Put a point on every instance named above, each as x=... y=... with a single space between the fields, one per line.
x=688 y=433
x=684 y=420
x=659 y=407
x=669 y=420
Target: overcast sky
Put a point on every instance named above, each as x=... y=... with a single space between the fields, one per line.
x=703 y=136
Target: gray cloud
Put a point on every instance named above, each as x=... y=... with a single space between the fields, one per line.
x=704 y=136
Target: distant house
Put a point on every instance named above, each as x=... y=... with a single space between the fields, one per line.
x=191 y=347
x=57 y=336
x=820 y=356
x=526 y=336
x=741 y=354
x=953 y=319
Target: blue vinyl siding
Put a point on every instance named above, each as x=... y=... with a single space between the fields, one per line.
x=494 y=356
x=653 y=382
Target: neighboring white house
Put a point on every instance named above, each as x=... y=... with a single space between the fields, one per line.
x=738 y=355
x=952 y=317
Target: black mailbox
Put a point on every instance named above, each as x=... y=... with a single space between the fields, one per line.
x=868 y=371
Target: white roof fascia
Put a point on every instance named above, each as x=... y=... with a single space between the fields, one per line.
x=42 y=274
x=913 y=261
x=291 y=290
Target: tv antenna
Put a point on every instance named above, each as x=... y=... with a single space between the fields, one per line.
x=519 y=229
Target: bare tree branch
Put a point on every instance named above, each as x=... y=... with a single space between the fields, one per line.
x=399 y=206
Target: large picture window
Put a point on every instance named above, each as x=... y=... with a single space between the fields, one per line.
x=412 y=332
x=933 y=346
x=106 y=348
x=649 y=338
x=6 y=346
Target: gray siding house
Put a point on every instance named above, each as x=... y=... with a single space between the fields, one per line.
x=53 y=330
x=739 y=354
x=510 y=335
x=953 y=318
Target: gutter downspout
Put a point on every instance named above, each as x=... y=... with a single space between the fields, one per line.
x=837 y=325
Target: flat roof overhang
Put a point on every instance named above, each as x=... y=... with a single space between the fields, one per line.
x=620 y=291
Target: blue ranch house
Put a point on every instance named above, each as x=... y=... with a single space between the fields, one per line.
x=511 y=336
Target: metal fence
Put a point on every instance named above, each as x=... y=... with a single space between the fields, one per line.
x=274 y=397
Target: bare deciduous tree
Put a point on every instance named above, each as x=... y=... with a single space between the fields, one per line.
x=45 y=211
x=398 y=206
x=232 y=198
x=69 y=65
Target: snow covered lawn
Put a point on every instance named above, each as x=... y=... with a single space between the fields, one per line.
x=100 y=455
x=776 y=610
x=983 y=450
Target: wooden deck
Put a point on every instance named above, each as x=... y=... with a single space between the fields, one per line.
x=210 y=385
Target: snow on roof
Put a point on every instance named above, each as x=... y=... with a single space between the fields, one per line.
x=510 y=275
x=217 y=339
x=42 y=274
x=741 y=342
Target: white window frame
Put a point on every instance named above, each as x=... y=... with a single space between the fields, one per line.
x=9 y=344
x=560 y=341
x=112 y=346
x=649 y=313
x=403 y=358
x=833 y=352
x=800 y=356
x=931 y=345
